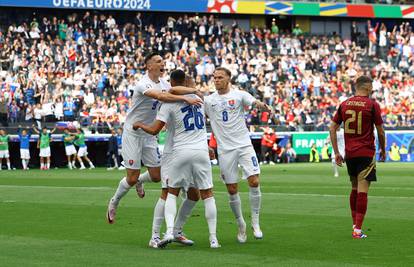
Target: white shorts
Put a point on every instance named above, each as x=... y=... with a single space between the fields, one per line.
x=229 y=161
x=165 y=165
x=24 y=153
x=44 y=152
x=83 y=151
x=136 y=149
x=190 y=168
x=4 y=154
x=70 y=150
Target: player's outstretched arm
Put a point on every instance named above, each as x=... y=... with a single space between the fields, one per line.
x=262 y=106
x=381 y=139
x=153 y=129
x=334 y=140
x=182 y=90
x=170 y=98
x=35 y=129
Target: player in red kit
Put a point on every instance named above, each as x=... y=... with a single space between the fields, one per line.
x=359 y=114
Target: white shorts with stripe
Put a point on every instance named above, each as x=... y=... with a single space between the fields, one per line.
x=229 y=162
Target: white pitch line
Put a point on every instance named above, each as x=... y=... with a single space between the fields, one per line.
x=84 y=188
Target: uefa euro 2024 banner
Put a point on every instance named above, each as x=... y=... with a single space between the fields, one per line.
x=155 y=5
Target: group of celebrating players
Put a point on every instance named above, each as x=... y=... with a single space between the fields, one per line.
x=185 y=162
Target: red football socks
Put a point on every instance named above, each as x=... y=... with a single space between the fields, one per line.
x=361 y=209
x=353 y=204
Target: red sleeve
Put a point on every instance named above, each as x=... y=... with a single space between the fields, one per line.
x=338 y=116
x=377 y=114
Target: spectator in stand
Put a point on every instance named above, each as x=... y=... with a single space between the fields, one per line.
x=267 y=142
x=304 y=77
x=290 y=153
x=278 y=153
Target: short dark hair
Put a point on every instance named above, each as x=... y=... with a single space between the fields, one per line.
x=150 y=56
x=178 y=76
x=363 y=82
x=227 y=71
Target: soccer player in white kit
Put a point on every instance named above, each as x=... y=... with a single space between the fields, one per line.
x=341 y=146
x=190 y=164
x=137 y=145
x=225 y=108
x=190 y=201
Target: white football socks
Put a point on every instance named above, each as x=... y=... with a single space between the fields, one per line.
x=170 y=212
x=211 y=216
x=121 y=191
x=158 y=217
x=145 y=178
x=235 y=205
x=335 y=167
x=255 y=201
x=24 y=164
x=184 y=212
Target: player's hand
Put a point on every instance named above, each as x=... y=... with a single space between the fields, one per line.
x=339 y=160
x=211 y=153
x=194 y=101
x=136 y=126
x=382 y=156
x=199 y=94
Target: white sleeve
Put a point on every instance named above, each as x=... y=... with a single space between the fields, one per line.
x=142 y=88
x=163 y=113
x=206 y=106
x=247 y=99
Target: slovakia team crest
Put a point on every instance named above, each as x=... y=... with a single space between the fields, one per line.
x=232 y=103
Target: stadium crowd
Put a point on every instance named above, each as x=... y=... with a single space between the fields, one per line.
x=82 y=66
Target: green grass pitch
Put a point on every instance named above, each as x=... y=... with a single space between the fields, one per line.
x=57 y=218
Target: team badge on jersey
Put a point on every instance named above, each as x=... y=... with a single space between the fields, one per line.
x=131 y=162
x=232 y=103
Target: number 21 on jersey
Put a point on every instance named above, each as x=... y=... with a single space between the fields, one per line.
x=354 y=116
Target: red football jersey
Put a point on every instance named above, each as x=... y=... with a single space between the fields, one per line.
x=359 y=114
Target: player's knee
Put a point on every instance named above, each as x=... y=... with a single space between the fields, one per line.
x=206 y=193
x=155 y=174
x=164 y=193
x=132 y=177
x=253 y=181
x=193 y=194
x=232 y=189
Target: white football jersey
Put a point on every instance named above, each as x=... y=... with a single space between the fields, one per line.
x=226 y=113
x=186 y=125
x=143 y=108
x=169 y=141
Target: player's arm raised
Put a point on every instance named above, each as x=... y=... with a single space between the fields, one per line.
x=334 y=141
x=170 y=98
x=262 y=106
x=153 y=129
